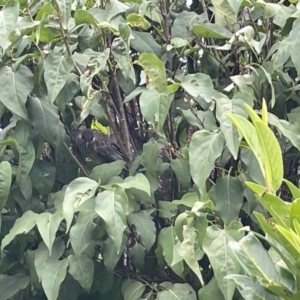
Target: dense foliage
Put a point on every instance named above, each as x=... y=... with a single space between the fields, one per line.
x=202 y=99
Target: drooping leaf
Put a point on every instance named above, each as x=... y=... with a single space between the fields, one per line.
x=10 y=285
x=47 y=225
x=81 y=233
x=145 y=228
x=216 y=246
x=15 y=87
x=81 y=267
x=22 y=225
x=57 y=71
x=78 y=191
x=109 y=208
x=182 y=170
x=204 y=149
x=155 y=70
x=229 y=198
x=52 y=279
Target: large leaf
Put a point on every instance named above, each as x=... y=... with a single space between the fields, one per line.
x=134 y=290
x=216 y=246
x=204 y=149
x=166 y=250
x=44 y=117
x=57 y=70
x=10 y=285
x=229 y=198
x=182 y=170
x=144 y=42
x=155 y=70
x=109 y=207
x=81 y=233
x=47 y=225
x=145 y=228
x=8 y=18
x=52 y=279
x=15 y=87
x=155 y=107
x=81 y=267
x=150 y=156
x=5 y=182
x=252 y=290
x=22 y=225
x=210 y=30
x=198 y=85
x=77 y=192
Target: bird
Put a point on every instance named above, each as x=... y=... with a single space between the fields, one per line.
x=98 y=146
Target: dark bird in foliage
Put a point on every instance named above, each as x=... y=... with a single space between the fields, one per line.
x=98 y=146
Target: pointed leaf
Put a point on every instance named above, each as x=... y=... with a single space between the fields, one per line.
x=108 y=207
x=204 y=149
x=22 y=225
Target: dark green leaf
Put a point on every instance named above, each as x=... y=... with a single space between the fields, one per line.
x=10 y=285
x=5 y=182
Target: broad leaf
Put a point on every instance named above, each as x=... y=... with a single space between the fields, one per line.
x=109 y=208
x=77 y=192
x=204 y=149
x=22 y=225
x=10 y=285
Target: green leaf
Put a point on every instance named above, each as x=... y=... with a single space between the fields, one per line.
x=114 y=7
x=137 y=20
x=65 y=11
x=166 y=243
x=145 y=228
x=81 y=233
x=225 y=105
x=8 y=19
x=143 y=42
x=155 y=70
x=229 y=198
x=184 y=21
x=42 y=175
x=44 y=117
x=47 y=225
x=139 y=182
x=251 y=290
x=15 y=87
x=216 y=246
x=57 y=70
x=134 y=290
x=198 y=85
x=52 y=279
x=255 y=259
x=150 y=155
x=5 y=182
x=294 y=44
x=22 y=225
x=42 y=257
x=78 y=191
x=210 y=290
x=210 y=30
x=81 y=267
x=10 y=285
x=110 y=209
x=182 y=170
x=177 y=291
x=84 y=17
x=155 y=107
x=105 y=172
x=248 y=131
x=187 y=251
x=205 y=148
x=272 y=157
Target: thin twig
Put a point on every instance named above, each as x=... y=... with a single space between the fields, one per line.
x=65 y=40
x=85 y=172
